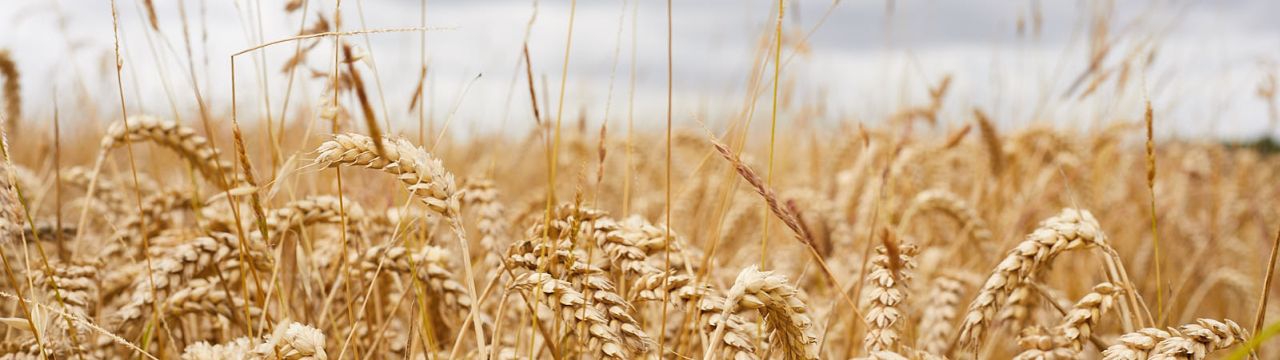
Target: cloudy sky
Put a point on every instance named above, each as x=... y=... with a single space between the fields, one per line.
x=865 y=60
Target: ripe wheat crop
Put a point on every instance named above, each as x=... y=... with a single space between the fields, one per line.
x=942 y=231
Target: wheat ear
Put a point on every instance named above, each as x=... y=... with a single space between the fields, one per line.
x=937 y=320
x=780 y=305
x=1067 y=339
x=1197 y=340
x=12 y=91
x=423 y=175
x=1071 y=230
x=950 y=204
x=432 y=266
x=886 y=292
x=491 y=222
x=181 y=139
x=572 y=306
x=312 y=210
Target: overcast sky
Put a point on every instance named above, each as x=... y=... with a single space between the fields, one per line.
x=865 y=61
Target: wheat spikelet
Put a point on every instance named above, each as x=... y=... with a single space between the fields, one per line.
x=1071 y=230
x=237 y=349
x=886 y=292
x=73 y=292
x=292 y=341
x=622 y=243
x=181 y=139
x=708 y=307
x=155 y=215
x=77 y=285
x=1039 y=343
x=289 y=341
x=626 y=244
x=780 y=305
x=1190 y=341
x=788 y=218
x=108 y=192
x=424 y=176
x=654 y=286
x=1135 y=345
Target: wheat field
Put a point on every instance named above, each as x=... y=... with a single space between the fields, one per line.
x=933 y=233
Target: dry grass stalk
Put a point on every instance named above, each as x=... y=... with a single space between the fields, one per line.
x=365 y=108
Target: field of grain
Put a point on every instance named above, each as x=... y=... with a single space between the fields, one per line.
x=325 y=233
